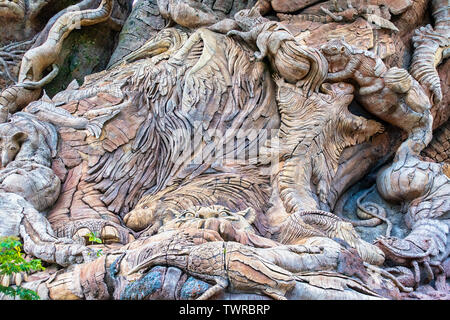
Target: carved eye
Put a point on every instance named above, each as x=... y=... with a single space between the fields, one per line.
x=223 y=214
x=13 y=148
x=145 y=207
x=189 y=215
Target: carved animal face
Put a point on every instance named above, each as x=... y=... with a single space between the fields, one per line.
x=247 y=19
x=337 y=54
x=144 y=215
x=403 y=185
x=218 y=212
x=199 y=217
x=334 y=47
x=153 y=214
x=10 y=146
x=164 y=41
x=342 y=92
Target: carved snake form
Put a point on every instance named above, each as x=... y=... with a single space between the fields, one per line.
x=370 y=213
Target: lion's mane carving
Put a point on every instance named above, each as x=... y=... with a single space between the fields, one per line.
x=170 y=102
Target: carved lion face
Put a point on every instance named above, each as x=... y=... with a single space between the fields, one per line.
x=144 y=215
x=207 y=217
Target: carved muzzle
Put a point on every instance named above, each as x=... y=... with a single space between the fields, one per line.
x=5 y=158
x=8 y=156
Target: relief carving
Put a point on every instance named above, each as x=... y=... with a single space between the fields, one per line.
x=281 y=149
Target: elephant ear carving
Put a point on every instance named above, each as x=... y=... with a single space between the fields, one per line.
x=20 y=137
x=47 y=129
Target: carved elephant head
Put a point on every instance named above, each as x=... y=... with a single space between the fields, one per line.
x=27 y=139
x=10 y=145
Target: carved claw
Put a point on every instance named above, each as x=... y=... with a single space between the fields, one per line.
x=375 y=127
x=34 y=85
x=64 y=252
x=107 y=231
x=14 y=279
